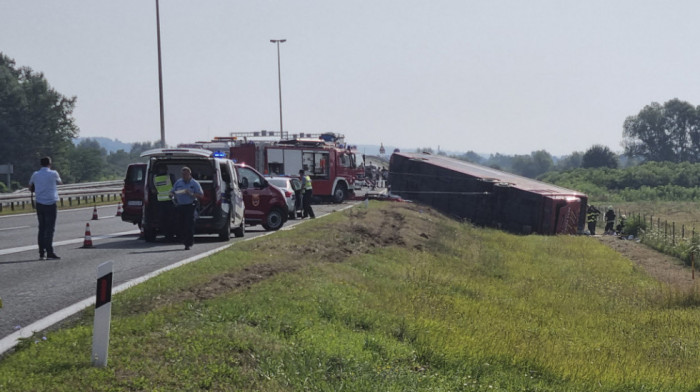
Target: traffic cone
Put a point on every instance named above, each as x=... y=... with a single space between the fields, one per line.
x=94 y=213
x=87 y=243
x=119 y=209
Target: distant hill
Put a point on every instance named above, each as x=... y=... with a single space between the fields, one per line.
x=111 y=145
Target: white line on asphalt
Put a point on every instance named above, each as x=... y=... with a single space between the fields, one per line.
x=12 y=228
x=11 y=340
x=66 y=242
x=59 y=211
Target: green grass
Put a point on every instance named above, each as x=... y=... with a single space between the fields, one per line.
x=413 y=301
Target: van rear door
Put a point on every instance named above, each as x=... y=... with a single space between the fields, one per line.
x=132 y=193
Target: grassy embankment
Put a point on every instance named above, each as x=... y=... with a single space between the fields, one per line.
x=394 y=297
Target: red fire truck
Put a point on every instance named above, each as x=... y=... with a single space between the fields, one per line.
x=333 y=166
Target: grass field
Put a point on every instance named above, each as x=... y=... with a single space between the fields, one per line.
x=393 y=297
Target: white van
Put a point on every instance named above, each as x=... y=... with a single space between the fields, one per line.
x=220 y=210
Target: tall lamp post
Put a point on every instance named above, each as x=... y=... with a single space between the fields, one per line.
x=160 y=80
x=279 y=79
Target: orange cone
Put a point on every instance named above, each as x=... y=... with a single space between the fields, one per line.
x=94 y=213
x=87 y=243
x=119 y=209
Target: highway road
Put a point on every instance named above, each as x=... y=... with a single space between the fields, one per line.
x=32 y=289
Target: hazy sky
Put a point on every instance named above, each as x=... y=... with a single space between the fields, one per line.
x=489 y=76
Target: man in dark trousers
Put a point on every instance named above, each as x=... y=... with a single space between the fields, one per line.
x=610 y=221
x=592 y=218
x=186 y=191
x=43 y=182
x=308 y=194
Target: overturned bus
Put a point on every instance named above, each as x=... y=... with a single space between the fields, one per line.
x=486 y=196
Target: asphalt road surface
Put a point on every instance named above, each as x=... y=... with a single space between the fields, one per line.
x=32 y=289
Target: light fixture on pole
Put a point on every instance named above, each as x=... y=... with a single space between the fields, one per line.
x=279 y=79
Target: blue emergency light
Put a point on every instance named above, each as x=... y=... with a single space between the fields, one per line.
x=219 y=154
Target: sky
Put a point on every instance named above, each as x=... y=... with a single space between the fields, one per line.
x=490 y=76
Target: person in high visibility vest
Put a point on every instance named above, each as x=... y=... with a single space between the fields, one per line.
x=163 y=184
x=166 y=210
x=308 y=193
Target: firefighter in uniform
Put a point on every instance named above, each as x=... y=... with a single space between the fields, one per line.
x=610 y=221
x=592 y=218
x=308 y=193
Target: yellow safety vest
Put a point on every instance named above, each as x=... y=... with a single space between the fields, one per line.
x=307 y=183
x=163 y=186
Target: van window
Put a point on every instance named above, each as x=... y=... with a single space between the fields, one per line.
x=253 y=178
x=135 y=174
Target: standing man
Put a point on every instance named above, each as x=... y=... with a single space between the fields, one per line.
x=43 y=182
x=592 y=218
x=186 y=191
x=610 y=221
x=308 y=193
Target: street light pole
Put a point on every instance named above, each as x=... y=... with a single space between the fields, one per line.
x=279 y=79
x=160 y=80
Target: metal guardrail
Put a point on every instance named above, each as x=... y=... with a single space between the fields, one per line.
x=69 y=194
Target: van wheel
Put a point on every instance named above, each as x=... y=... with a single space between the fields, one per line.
x=225 y=233
x=239 y=231
x=340 y=193
x=149 y=234
x=274 y=221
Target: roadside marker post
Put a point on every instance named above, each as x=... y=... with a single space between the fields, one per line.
x=103 y=315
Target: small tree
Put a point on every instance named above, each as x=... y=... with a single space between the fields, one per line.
x=599 y=156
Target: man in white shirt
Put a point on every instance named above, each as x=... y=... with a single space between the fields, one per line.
x=43 y=183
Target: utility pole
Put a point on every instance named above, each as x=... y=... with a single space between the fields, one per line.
x=160 y=79
x=279 y=80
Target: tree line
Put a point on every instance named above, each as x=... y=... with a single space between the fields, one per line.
x=37 y=121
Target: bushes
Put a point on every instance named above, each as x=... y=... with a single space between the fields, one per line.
x=649 y=181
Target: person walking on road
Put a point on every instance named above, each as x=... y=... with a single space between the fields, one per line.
x=43 y=182
x=186 y=191
x=308 y=194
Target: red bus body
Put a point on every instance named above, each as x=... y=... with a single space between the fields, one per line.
x=486 y=196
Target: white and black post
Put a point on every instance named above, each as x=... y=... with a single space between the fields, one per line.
x=103 y=315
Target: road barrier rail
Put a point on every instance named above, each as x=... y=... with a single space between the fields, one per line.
x=69 y=195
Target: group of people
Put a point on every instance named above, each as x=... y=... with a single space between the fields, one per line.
x=184 y=192
x=592 y=215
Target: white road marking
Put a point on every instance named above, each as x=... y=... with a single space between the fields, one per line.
x=66 y=242
x=13 y=228
x=12 y=339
